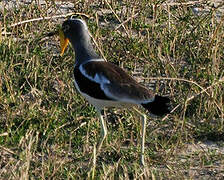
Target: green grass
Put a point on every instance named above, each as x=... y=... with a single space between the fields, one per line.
x=47 y=130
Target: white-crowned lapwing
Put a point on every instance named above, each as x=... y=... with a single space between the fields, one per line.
x=104 y=84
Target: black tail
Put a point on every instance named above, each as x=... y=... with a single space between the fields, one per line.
x=160 y=106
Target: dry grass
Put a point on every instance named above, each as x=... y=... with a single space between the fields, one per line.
x=48 y=131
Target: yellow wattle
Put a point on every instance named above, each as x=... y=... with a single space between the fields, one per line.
x=63 y=41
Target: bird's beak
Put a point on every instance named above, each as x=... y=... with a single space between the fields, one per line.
x=63 y=41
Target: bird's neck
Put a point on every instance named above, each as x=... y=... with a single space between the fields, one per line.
x=84 y=51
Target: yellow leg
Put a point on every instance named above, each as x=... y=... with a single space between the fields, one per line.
x=143 y=122
x=103 y=130
x=103 y=136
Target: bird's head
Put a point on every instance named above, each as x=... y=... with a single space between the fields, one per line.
x=74 y=30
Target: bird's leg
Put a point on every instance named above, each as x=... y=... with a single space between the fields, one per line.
x=143 y=122
x=103 y=130
x=143 y=139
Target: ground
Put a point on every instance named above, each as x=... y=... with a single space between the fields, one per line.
x=48 y=131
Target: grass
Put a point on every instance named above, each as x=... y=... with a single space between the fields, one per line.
x=48 y=131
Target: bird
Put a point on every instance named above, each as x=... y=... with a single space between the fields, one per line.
x=104 y=84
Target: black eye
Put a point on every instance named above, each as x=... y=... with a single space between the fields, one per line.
x=66 y=27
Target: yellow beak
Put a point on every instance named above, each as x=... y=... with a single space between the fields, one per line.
x=63 y=41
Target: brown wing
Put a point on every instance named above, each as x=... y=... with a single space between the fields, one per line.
x=116 y=83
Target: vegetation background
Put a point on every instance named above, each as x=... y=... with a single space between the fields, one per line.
x=48 y=131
